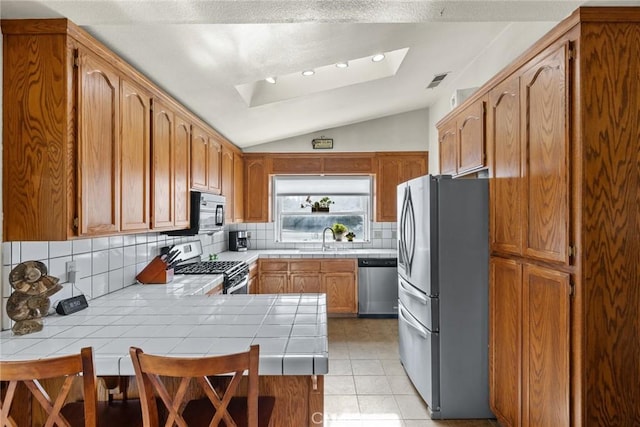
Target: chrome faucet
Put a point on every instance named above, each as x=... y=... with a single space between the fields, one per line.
x=324 y=246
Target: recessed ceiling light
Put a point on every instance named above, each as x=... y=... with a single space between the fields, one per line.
x=377 y=57
x=342 y=64
x=308 y=73
x=271 y=80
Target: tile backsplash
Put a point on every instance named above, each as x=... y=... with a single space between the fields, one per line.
x=107 y=264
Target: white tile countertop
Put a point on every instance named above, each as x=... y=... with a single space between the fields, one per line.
x=178 y=319
x=253 y=255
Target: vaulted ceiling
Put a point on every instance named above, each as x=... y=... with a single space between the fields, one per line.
x=213 y=56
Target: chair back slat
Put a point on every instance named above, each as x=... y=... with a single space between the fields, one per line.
x=150 y=368
x=30 y=371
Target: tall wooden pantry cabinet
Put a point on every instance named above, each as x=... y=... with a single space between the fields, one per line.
x=563 y=144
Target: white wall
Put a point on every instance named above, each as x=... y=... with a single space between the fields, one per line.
x=401 y=132
x=512 y=42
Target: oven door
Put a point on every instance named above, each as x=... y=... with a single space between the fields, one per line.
x=241 y=287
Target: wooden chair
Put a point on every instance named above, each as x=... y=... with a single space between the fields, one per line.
x=88 y=413
x=251 y=411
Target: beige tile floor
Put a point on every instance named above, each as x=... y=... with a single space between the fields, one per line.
x=367 y=386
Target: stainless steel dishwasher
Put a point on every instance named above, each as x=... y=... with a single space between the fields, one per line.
x=377 y=287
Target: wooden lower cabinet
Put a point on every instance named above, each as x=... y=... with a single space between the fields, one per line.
x=505 y=340
x=529 y=344
x=273 y=283
x=546 y=347
x=335 y=277
x=341 y=293
x=254 y=281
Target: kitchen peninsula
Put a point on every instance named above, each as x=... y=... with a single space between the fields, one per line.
x=179 y=319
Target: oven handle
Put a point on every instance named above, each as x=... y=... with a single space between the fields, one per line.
x=240 y=285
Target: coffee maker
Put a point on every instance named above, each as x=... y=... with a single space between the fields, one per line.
x=238 y=241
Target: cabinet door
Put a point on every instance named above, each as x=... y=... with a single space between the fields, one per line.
x=162 y=166
x=227 y=182
x=297 y=164
x=238 y=190
x=471 y=151
x=305 y=283
x=348 y=164
x=135 y=128
x=214 y=166
x=256 y=194
x=98 y=146
x=273 y=283
x=342 y=294
x=199 y=159
x=447 y=138
x=505 y=340
x=507 y=186
x=544 y=95
x=182 y=198
x=546 y=347
x=390 y=174
x=413 y=167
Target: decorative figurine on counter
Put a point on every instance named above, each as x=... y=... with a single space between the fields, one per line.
x=29 y=302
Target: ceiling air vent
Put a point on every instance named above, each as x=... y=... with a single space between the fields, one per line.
x=437 y=79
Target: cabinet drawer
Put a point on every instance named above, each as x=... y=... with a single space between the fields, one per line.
x=274 y=265
x=348 y=265
x=304 y=266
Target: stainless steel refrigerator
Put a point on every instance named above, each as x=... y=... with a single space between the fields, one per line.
x=443 y=269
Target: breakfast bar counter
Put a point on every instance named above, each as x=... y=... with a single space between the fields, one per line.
x=179 y=319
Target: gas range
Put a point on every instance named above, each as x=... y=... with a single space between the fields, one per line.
x=209 y=267
x=236 y=273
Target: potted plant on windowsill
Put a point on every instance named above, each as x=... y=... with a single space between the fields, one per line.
x=321 y=205
x=350 y=236
x=339 y=230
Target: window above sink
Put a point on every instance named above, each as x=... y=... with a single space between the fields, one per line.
x=296 y=219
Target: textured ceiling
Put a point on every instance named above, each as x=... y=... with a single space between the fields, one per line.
x=199 y=51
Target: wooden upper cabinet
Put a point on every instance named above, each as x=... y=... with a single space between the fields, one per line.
x=206 y=154
x=350 y=164
x=238 y=188
x=227 y=182
x=546 y=347
x=214 y=166
x=331 y=163
x=448 y=144
x=297 y=164
x=461 y=140
x=392 y=170
x=163 y=129
x=256 y=188
x=471 y=137
x=544 y=95
x=505 y=340
x=98 y=145
x=135 y=113
x=199 y=159
x=182 y=197
x=507 y=186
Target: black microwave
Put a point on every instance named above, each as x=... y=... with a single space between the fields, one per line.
x=207 y=215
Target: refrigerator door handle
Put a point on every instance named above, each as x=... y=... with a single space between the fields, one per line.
x=419 y=329
x=411 y=220
x=402 y=247
x=412 y=292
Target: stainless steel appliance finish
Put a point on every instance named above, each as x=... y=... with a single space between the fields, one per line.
x=377 y=287
x=238 y=241
x=207 y=215
x=236 y=273
x=443 y=269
